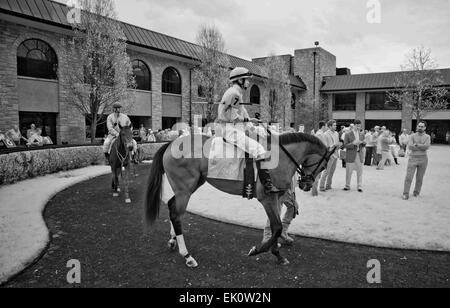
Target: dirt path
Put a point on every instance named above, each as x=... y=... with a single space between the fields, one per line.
x=107 y=237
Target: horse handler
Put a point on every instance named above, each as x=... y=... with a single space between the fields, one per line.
x=289 y=200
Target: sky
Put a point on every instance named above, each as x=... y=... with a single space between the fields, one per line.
x=257 y=28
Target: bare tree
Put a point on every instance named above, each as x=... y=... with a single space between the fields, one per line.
x=277 y=85
x=418 y=87
x=102 y=73
x=213 y=71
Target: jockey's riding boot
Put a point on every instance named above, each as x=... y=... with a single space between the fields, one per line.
x=266 y=181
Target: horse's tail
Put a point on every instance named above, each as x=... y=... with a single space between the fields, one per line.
x=154 y=187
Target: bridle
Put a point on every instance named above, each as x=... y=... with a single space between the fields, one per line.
x=300 y=169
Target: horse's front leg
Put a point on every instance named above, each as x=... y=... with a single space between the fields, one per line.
x=115 y=183
x=125 y=177
x=271 y=207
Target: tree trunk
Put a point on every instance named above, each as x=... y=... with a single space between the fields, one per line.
x=93 y=127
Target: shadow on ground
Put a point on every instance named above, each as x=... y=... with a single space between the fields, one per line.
x=108 y=238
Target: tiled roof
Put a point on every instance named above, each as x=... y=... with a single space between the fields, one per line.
x=373 y=81
x=55 y=13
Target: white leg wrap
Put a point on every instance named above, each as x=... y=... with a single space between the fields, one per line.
x=182 y=246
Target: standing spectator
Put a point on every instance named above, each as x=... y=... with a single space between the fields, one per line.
x=331 y=141
x=343 y=152
x=143 y=133
x=370 y=144
x=447 y=137
x=15 y=135
x=404 y=138
x=321 y=135
x=394 y=148
x=375 y=136
x=433 y=137
x=419 y=143
x=384 y=147
x=354 y=143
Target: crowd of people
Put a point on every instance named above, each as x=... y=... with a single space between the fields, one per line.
x=378 y=148
x=34 y=138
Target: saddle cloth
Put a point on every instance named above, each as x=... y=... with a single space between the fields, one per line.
x=226 y=161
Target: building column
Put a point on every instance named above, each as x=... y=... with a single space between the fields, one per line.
x=329 y=98
x=9 y=101
x=361 y=108
x=156 y=110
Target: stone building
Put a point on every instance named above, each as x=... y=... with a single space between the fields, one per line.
x=33 y=88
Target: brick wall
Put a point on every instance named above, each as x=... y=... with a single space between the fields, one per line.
x=304 y=67
x=70 y=123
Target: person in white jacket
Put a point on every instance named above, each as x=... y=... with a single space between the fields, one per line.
x=114 y=121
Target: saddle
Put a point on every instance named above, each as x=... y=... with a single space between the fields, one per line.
x=228 y=162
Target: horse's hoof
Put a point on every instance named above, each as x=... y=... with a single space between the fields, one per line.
x=191 y=263
x=128 y=201
x=115 y=195
x=253 y=252
x=283 y=262
x=172 y=244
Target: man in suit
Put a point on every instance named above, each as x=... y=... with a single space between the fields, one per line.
x=354 y=143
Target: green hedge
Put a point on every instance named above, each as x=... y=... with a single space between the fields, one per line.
x=23 y=165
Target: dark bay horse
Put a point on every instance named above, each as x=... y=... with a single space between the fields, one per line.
x=120 y=161
x=185 y=175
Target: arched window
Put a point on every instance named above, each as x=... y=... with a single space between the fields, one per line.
x=171 y=81
x=35 y=58
x=293 y=101
x=255 y=95
x=142 y=75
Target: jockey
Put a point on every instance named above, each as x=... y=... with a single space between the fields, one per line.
x=114 y=121
x=233 y=117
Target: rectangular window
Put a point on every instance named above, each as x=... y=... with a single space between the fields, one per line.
x=381 y=101
x=344 y=102
x=46 y=122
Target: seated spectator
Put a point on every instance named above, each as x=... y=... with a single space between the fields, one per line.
x=36 y=139
x=142 y=133
x=31 y=131
x=15 y=135
x=151 y=136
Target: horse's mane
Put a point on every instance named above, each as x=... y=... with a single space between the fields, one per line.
x=289 y=138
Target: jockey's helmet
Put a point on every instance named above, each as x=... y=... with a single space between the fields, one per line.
x=239 y=73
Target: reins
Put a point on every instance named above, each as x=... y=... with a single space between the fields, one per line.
x=121 y=158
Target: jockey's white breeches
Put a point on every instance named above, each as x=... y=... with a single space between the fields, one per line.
x=235 y=134
x=109 y=140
